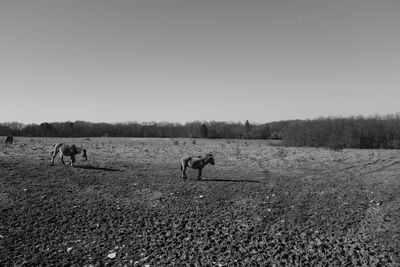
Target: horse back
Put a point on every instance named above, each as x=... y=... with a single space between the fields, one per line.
x=62 y=149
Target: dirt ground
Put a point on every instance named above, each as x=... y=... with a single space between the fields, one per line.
x=260 y=205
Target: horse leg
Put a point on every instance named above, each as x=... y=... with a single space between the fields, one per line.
x=72 y=160
x=62 y=158
x=184 y=172
x=200 y=172
x=52 y=157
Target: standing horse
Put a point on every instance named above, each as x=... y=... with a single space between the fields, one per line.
x=67 y=150
x=196 y=162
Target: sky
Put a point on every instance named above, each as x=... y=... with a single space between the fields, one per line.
x=187 y=60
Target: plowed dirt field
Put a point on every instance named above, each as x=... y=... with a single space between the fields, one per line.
x=260 y=205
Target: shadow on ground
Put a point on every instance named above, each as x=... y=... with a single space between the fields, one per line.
x=230 y=180
x=91 y=167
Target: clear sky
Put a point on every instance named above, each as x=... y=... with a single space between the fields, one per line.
x=186 y=60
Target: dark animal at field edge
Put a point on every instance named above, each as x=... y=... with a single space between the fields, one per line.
x=68 y=150
x=196 y=162
x=9 y=140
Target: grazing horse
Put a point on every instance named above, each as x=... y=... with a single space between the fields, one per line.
x=196 y=162
x=9 y=139
x=67 y=150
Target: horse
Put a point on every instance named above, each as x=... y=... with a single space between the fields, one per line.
x=196 y=162
x=9 y=139
x=67 y=150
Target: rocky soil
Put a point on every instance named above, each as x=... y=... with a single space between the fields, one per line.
x=260 y=205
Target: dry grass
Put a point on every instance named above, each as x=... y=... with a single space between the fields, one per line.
x=260 y=203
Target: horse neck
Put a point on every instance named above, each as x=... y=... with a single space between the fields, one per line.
x=205 y=159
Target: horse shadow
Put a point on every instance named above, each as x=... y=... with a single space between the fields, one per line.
x=91 y=167
x=230 y=180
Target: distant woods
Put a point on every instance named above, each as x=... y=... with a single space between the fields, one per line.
x=338 y=133
x=335 y=133
x=171 y=130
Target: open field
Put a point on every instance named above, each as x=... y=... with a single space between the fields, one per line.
x=260 y=204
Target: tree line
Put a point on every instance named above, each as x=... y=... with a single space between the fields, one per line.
x=339 y=133
x=335 y=133
x=197 y=129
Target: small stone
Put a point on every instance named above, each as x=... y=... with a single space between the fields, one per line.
x=69 y=249
x=112 y=255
